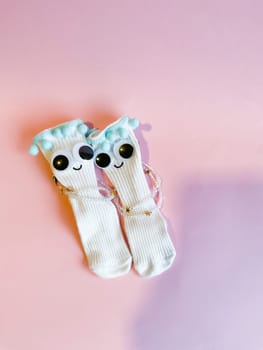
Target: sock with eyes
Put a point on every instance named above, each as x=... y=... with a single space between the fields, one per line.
x=71 y=161
x=118 y=154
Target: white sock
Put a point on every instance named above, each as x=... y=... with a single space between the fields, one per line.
x=96 y=216
x=146 y=229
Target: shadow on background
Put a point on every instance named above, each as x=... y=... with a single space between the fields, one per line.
x=211 y=299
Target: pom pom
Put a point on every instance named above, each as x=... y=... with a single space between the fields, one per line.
x=134 y=123
x=123 y=121
x=110 y=135
x=82 y=128
x=45 y=134
x=46 y=145
x=37 y=138
x=33 y=150
x=57 y=133
x=122 y=132
x=67 y=130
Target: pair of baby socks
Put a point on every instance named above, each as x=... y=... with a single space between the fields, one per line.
x=74 y=152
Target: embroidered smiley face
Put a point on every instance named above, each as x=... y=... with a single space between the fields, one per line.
x=66 y=149
x=63 y=160
x=122 y=151
x=114 y=146
x=71 y=166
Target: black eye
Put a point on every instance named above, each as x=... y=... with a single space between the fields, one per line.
x=103 y=160
x=85 y=152
x=60 y=162
x=126 y=150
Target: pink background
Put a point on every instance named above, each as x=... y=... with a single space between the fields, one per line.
x=191 y=71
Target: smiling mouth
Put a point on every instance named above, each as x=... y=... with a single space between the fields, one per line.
x=119 y=166
x=78 y=168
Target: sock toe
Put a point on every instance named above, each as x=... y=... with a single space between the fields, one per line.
x=112 y=270
x=154 y=267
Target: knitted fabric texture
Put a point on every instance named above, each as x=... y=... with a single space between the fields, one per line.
x=152 y=249
x=71 y=161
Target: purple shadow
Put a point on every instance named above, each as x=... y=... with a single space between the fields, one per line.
x=211 y=299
